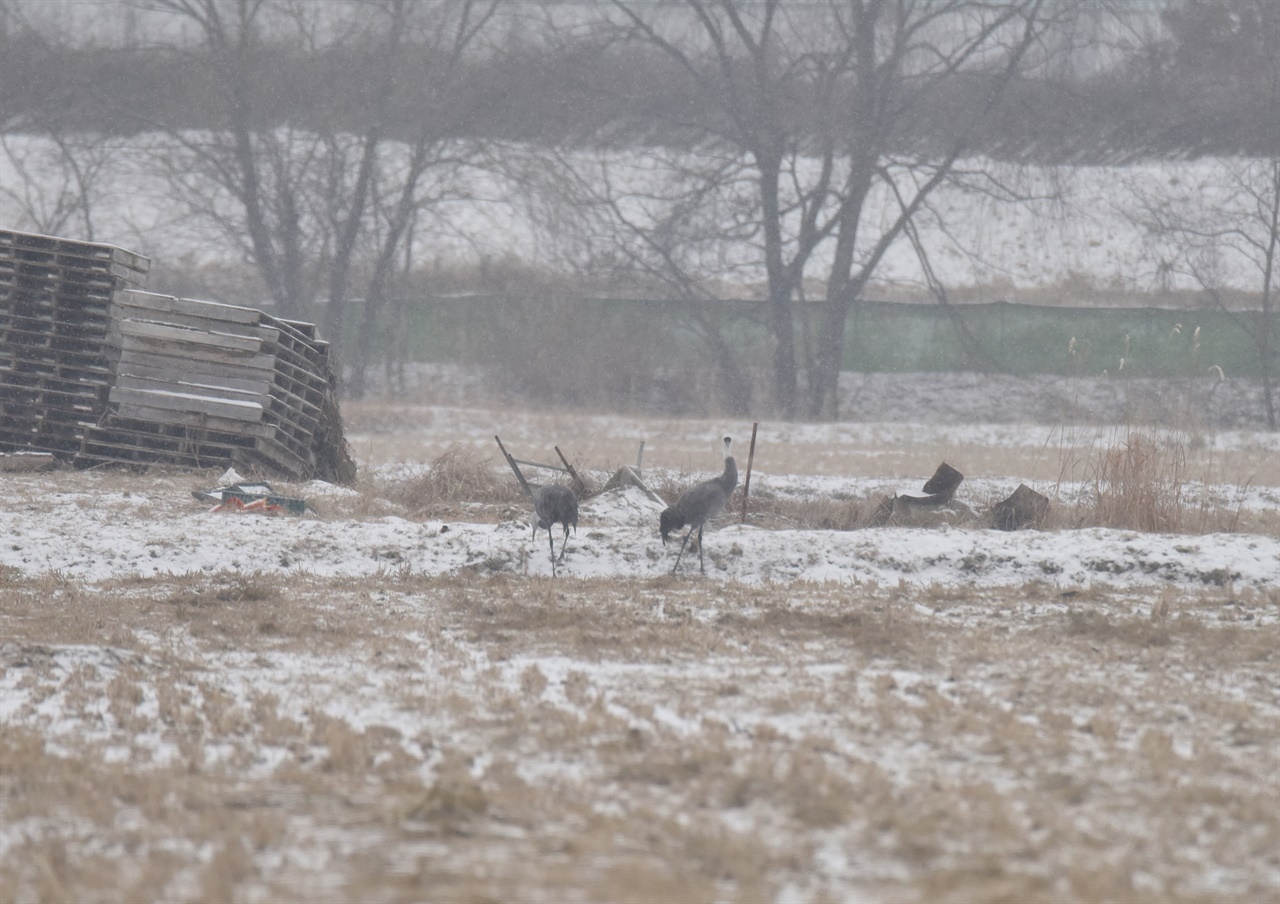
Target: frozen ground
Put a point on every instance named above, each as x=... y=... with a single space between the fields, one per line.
x=368 y=703
x=73 y=526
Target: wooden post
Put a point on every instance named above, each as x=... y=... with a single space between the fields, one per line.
x=640 y=459
x=746 y=486
x=524 y=484
x=582 y=487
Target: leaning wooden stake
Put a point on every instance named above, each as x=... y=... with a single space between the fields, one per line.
x=524 y=484
x=746 y=486
x=582 y=486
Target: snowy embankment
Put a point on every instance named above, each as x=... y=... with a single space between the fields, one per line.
x=69 y=527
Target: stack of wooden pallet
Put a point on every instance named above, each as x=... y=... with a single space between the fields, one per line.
x=55 y=298
x=160 y=379
x=198 y=383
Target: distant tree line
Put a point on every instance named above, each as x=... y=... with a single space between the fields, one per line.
x=782 y=146
x=1207 y=86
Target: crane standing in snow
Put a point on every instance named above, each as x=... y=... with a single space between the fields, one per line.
x=555 y=504
x=699 y=505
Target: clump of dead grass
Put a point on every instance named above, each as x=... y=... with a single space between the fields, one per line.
x=255 y=587
x=1139 y=483
x=816 y=512
x=454 y=479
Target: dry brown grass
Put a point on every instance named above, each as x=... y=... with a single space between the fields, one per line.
x=818 y=512
x=455 y=481
x=1139 y=484
x=404 y=737
x=1139 y=479
x=1134 y=472
x=245 y=736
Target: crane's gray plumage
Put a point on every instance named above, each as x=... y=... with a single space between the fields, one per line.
x=699 y=505
x=555 y=504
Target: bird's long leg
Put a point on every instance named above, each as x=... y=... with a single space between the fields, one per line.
x=682 y=546
x=564 y=543
x=701 y=567
x=551 y=541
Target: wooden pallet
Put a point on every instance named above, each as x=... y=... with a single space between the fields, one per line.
x=93 y=365
x=55 y=296
x=202 y=366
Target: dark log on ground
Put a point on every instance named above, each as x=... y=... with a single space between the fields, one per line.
x=1024 y=508
x=928 y=511
x=941 y=488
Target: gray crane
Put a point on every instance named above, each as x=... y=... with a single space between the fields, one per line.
x=554 y=504
x=699 y=505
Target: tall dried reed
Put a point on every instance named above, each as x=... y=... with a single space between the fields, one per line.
x=1136 y=479
x=1138 y=482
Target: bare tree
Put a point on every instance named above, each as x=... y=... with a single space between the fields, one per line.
x=653 y=221
x=1223 y=232
x=801 y=127
x=311 y=204
x=60 y=179
x=247 y=176
x=59 y=170
x=433 y=161
x=1212 y=234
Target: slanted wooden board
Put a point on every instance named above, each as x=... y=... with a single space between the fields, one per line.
x=133 y=299
x=198 y=322
x=188 y=368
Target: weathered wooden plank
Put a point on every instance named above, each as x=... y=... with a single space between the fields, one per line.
x=192 y=403
x=169 y=304
x=97 y=251
x=166 y=367
x=240 y=345
x=176 y=440
x=196 y=455
x=175 y=432
x=156 y=350
x=50 y=391
x=134 y=376
x=27 y=461
x=193 y=322
x=11 y=370
x=194 y=420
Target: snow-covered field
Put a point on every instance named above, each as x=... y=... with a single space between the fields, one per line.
x=1063 y=234
x=377 y=703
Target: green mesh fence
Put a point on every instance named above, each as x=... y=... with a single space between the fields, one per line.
x=883 y=336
